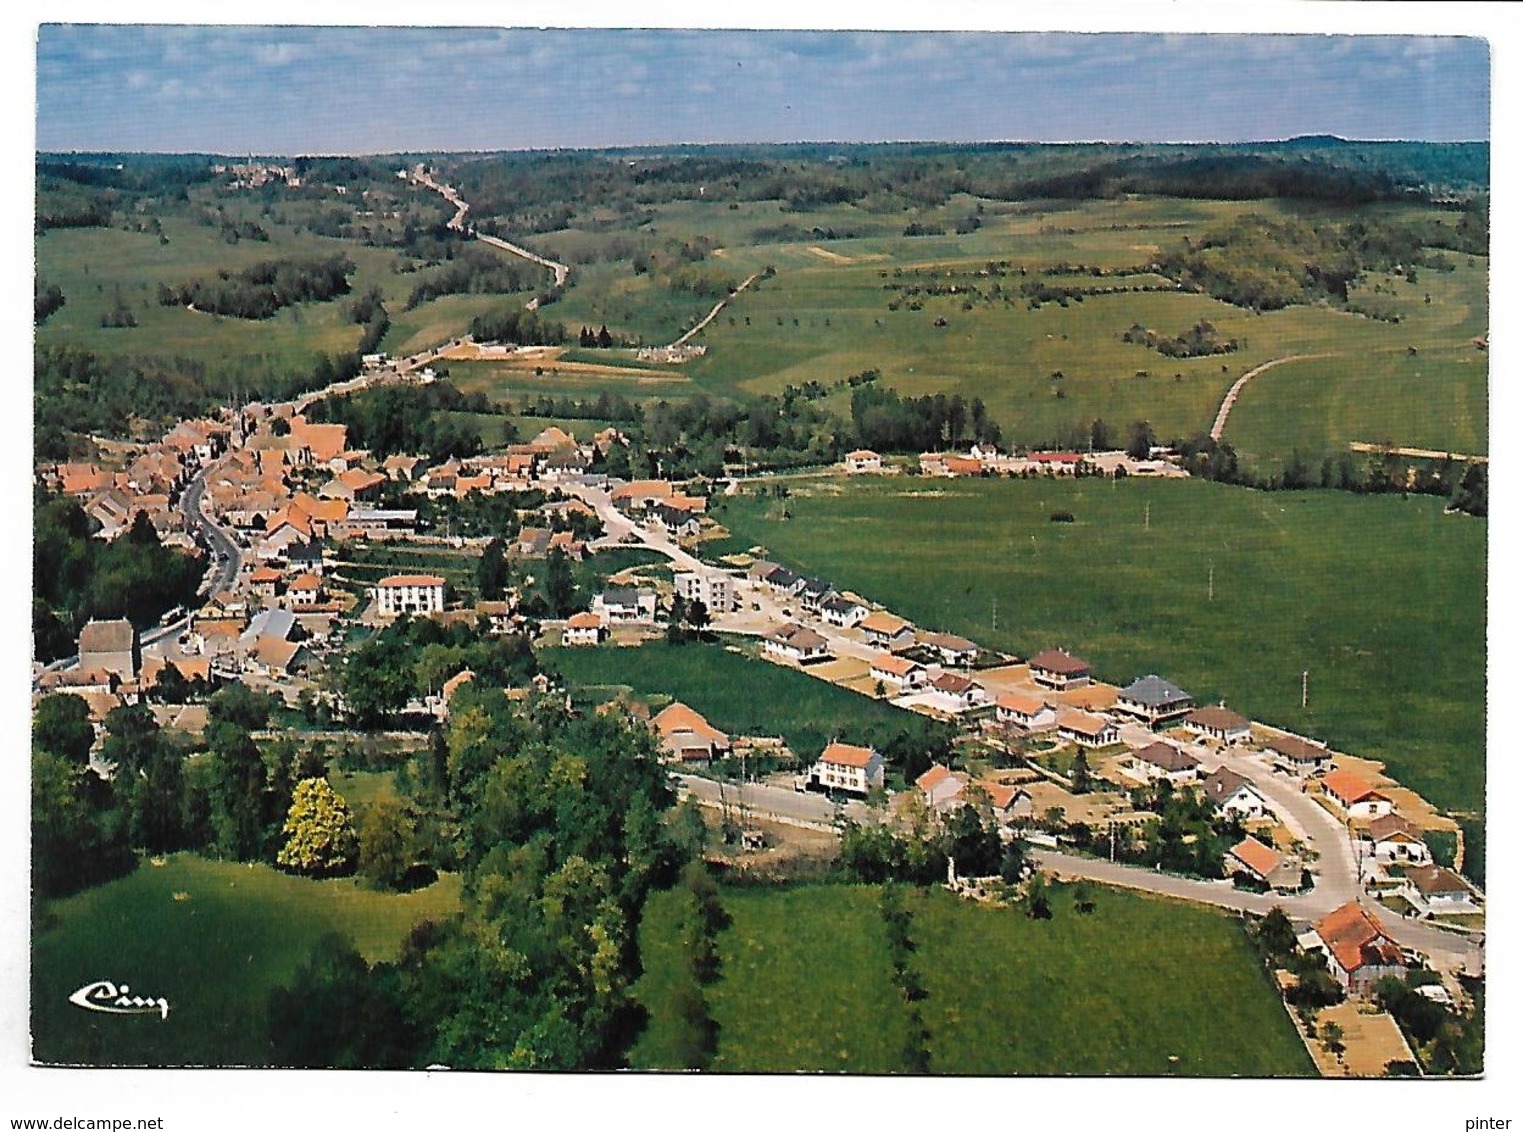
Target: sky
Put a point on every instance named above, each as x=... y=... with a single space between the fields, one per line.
x=290 y=90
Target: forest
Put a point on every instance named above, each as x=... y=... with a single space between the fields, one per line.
x=258 y=292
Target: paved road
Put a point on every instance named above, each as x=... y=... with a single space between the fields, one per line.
x=777 y=802
x=457 y=223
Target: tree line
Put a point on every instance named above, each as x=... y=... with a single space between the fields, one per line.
x=77 y=577
x=264 y=289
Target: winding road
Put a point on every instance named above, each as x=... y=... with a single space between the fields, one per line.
x=457 y=223
x=1237 y=387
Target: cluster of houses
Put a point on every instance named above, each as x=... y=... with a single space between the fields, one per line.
x=986 y=460
x=149 y=482
x=1394 y=857
x=660 y=506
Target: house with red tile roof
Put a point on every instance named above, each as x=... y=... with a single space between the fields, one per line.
x=1026 y=711
x=897 y=674
x=886 y=631
x=1353 y=797
x=863 y=460
x=846 y=767
x=688 y=736
x=1087 y=730
x=1359 y=952
x=582 y=629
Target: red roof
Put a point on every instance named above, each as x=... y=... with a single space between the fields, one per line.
x=1257 y=856
x=1355 y=939
x=1054 y=457
x=1021 y=703
x=845 y=754
x=1348 y=787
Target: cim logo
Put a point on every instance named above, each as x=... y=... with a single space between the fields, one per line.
x=105 y=997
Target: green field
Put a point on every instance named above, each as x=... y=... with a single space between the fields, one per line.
x=1381 y=599
x=214 y=938
x=806 y=984
x=737 y=693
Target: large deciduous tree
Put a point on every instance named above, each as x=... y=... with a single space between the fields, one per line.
x=319 y=840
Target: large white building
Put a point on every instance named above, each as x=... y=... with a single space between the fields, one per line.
x=410 y=593
x=714 y=588
x=843 y=766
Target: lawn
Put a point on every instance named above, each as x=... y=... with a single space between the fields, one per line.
x=740 y=694
x=214 y=938
x=806 y=985
x=1228 y=592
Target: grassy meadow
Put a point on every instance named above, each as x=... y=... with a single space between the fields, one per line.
x=738 y=693
x=806 y=984
x=1231 y=593
x=214 y=938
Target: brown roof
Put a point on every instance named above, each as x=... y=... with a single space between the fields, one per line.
x=1355 y=939
x=1432 y=880
x=456 y=682
x=1166 y=756
x=846 y=754
x=1056 y=660
x=1297 y=750
x=949 y=641
x=1390 y=826
x=107 y=636
x=584 y=621
x=1217 y=719
x=952 y=683
x=272 y=652
x=1257 y=856
x=643 y=489
x=306 y=582
x=1224 y=783
x=264 y=574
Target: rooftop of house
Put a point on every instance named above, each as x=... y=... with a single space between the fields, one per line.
x=1217 y=717
x=1435 y=880
x=1348 y=787
x=1022 y=703
x=1166 y=756
x=1224 y=783
x=396 y=581
x=1356 y=939
x=107 y=636
x=1256 y=855
x=678 y=717
x=1056 y=660
x=847 y=754
x=1154 y=691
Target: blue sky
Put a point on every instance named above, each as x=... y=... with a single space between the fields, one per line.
x=286 y=90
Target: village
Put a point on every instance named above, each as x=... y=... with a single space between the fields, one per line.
x=275 y=505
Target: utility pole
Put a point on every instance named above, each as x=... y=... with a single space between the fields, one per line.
x=1303 y=688
x=1211 y=582
x=1147 y=516
x=994 y=614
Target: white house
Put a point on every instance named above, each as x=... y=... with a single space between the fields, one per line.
x=953 y=650
x=941 y=787
x=886 y=631
x=1393 y=839
x=1353 y=797
x=1087 y=730
x=582 y=629
x=843 y=612
x=843 y=766
x=410 y=593
x=1297 y=756
x=797 y=643
x=953 y=692
x=1359 y=952
x=1056 y=669
x=899 y=675
x=305 y=589
x=1435 y=889
x=1220 y=723
x=1031 y=713
x=1163 y=760
x=714 y=588
x=1233 y=794
x=621 y=605
x=863 y=460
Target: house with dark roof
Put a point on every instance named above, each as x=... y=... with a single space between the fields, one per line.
x=797 y=643
x=1056 y=669
x=1435 y=889
x=624 y=604
x=1162 y=760
x=843 y=612
x=1217 y=721
x=815 y=592
x=1153 y=700
x=1233 y=794
x=1298 y=756
x=954 y=692
x=675 y=522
